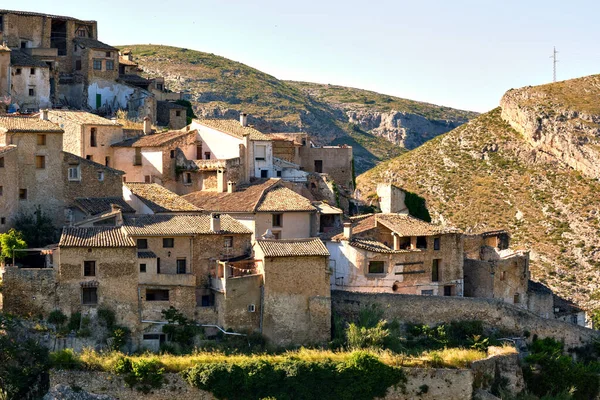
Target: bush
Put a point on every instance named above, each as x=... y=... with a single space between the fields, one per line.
x=144 y=375
x=362 y=376
x=107 y=318
x=65 y=359
x=57 y=318
x=361 y=337
x=120 y=336
x=74 y=322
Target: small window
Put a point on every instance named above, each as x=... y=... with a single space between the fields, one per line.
x=98 y=65
x=31 y=91
x=32 y=71
x=89 y=296
x=78 y=65
x=172 y=153
x=147 y=179
x=503 y=275
x=178 y=113
x=228 y=240
x=260 y=152
x=251 y=308
x=187 y=178
x=18 y=71
x=100 y=176
x=264 y=173
x=108 y=54
x=41 y=140
x=427 y=292
x=159 y=86
x=1 y=190
x=1 y=162
x=137 y=160
x=81 y=32
x=207 y=155
x=207 y=300
x=435 y=271
x=277 y=235
x=1 y=23
x=89 y=268
x=436 y=243
x=40 y=162
x=421 y=242
x=22 y=194
x=277 y=220
x=142 y=243
x=89 y=157
x=107 y=161
x=516 y=298
x=93 y=137
x=158 y=265
x=74 y=173
x=110 y=65
x=448 y=290
x=142 y=267
x=168 y=243
x=319 y=166
x=376 y=267
x=2 y=221
x=181 y=266
x=157 y=295
x=279 y=174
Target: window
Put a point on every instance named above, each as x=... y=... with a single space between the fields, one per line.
x=277 y=219
x=172 y=154
x=228 y=241
x=260 y=152
x=503 y=275
x=1 y=23
x=181 y=266
x=1 y=162
x=100 y=176
x=279 y=174
x=18 y=71
x=2 y=221
x=207 y=300
x=89 y=268
x=32 y=71
x=81 y=32
x=98 y=65
x=31 y=91
x=376 y=267
x=89 y=296
x=436 y=243
x=142 y=243
x=93 y=137
x=41 y=140
x=168 y=242
x=516 y=298
x=78 y=65
x=89 y=157
x=277 y=235
x=107 y=161
x=110 y=65
x=178 y=113
x=421 y=242
x=147 y=179
x=251 y=307
x=74 y=173
x=22 y=194
x=207 y=155
x=158 y=265
x=319 y=166
x=199 y=151
x=435 y=271
x=187 y=178
x=108 y=54
x=264 y=173
x=40 y=162
x=1 y=190
x=427 y=292
x=448 y=290
x=159 y=86
x=137 y=160
x=157 y=295
x=142 y=267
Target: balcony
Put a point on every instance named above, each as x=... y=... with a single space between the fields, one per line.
x=167 y=279
x=231 y=272
x=41 y=51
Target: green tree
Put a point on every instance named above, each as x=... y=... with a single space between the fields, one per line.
x=10 y=241
x=190 y=110
x=37 y=228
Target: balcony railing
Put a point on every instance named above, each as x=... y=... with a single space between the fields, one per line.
x=167 y=279
x=227 y=270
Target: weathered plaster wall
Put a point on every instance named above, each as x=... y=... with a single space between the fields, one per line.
x=39 y=81
x=337 y=162
x=9 y=201
x=233 y=305
x=434 y=310
x=294 y=225
x=29 y=291
x=221 y=145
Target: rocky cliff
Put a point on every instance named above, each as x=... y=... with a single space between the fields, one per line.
x=528 y=166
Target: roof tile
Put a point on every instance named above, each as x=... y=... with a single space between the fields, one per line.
x=93 y=44
x=160 y=199
x=293 y=248
x=233 y=127
x=154 y=140
x=100 y=205
x=80 y=117
x=19 y=124
x=180 y=225
x=95 y=237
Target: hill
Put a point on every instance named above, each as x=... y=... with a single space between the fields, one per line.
x=219 y=87
x=525 y=167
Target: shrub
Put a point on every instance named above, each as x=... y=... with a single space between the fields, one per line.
x=107 y=318
x=65 y=359
x=361 y=337
x=74 y=322
x=120 y=336
x=143 y=375
x=57 y=318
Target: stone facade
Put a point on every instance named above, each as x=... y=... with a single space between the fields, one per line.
x=336 y=161
x=171 y=115
x=30 y=86
x=9 y=198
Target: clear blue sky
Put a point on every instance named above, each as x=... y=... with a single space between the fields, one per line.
x=463 y=54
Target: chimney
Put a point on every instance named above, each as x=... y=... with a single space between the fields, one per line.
x=348 y=230
x=44 y=115
x=244 y=119
x=147 y=126
x=215 y=222
x=114 y=121
x=230 y=186
x=268 y=234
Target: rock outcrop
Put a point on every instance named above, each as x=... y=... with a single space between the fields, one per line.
x=63 y=392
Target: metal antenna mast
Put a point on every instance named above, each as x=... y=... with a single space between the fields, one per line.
x=554 y=61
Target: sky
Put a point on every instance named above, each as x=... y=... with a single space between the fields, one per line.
x=461 y=54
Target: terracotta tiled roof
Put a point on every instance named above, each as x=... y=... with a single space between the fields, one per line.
x=376 y=246
x=93 y=44
x=21 y=59
x=293 y=247
x=99 y=205
x=154 y=140
x=34 y=14
x=170 y=104
x=565 y=307
x=95 y=237
x=210 y=165
x=6 y=149
x=80 y=117
x=180 y=225
x=27 y=124
x=146 y=254
x=267 y=196
x=160 y=199
x=406 y=225
x=125 y=61
x=233 y=128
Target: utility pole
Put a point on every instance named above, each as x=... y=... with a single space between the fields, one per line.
x=554 y=61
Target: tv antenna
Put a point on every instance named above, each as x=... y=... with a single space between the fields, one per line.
x=554 y=61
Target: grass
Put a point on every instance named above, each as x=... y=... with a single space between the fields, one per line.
x=96 y=361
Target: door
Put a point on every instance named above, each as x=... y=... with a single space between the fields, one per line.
x=319 y=166
x=181 y=267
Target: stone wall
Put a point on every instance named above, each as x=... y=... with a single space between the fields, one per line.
x=9 y=201
x=433 y=310
x=336 y=162
x=233 y=305
x=29 y=291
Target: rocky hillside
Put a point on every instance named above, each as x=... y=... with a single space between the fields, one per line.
x=527 y=166
x=219 y=87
